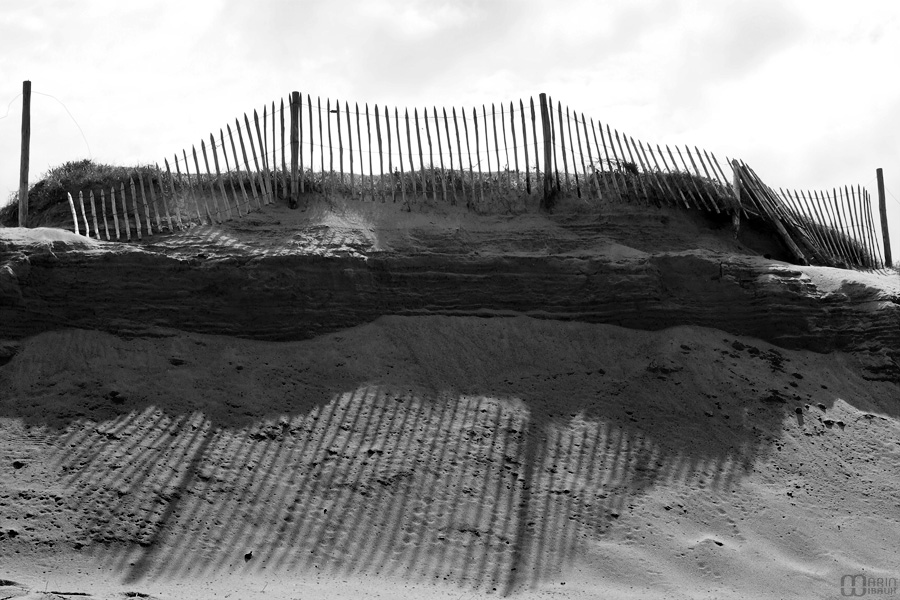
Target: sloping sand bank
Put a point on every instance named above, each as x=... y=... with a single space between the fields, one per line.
x=445 y=457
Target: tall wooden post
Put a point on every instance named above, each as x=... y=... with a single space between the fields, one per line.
x=882 y=208
x=548 y=153
x=26 y=147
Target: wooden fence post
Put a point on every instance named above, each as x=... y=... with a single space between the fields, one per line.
x=548 y=149
x=136 y=208
x=87 y=227
x=74 y=215
x=295 y=147
x=26 y=149
x=882 y=209
x=94 y=214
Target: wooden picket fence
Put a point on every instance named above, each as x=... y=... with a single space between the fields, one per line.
x=469 y=157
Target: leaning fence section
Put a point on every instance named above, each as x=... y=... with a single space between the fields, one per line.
x=472 y=156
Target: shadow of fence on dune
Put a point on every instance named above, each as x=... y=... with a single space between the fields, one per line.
x=458 y=451
x=475 y=490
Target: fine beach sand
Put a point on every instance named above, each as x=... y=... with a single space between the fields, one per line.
x=447 y=457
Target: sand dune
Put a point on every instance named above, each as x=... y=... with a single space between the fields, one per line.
x=444 y=457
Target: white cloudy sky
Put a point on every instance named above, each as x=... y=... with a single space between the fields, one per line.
x=805 y=91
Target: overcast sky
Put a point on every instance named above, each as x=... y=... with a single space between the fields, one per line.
x=805 y=92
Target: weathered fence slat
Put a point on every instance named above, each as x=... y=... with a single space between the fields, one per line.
x=749 y=180
x=263 y=183
x=178 y=218
x=547 y=138
x=537 y=155
x=87 y=227
x=301 y=172
x=487 y=149
x=234 y=194
x=648 y=172
x=252 y=180
x=450 y=154
x=337 y=118
x=103 y=212
x=867 y=229
x=671 y=196
x=400 y=154
x=478 y=157
x=554 y=160
x=136 y=208
x=273 y=165
x=322 y=145
x=431 y=166
x=94 y=213
x=284 y=171
x=571 y=151
x=594 y=185
x=469 y=154
x=212 y=148
x=701 y=190
x=264 y=154
x=624 y=162
x=505 y=145
x=380 y=153
x=115 y=213
x=212 y=184
x=699 y=196
x=673 y=173
x=609 y=162
x=525 y=144
x=312 y=146
x=811 y=218
x=870 y=220
x=74 y=214
x=800 y=218
x=190 y=187
x=330 y=144
x=496 y=141
x=240 y=175
x=162 y=198
x=845 y=230
x=580 y=155
x=634 y=164
x=598 y=171
x=412 y=168
x=562 y=146
x=295 y=150
x=350 y=144
x=459 y=154
x=421 y=155
x=369 y=142
x=390 y=154
x=826 y=231
x=125 y=218
x=260 y=168
x=616 y=164
x=430 y=154
x=512 y=130
x=857 y=203
x=199 y=187
x=362 y=179
x=832 y=226
x=855 y=227
x=437 y=130
x=146 y=204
